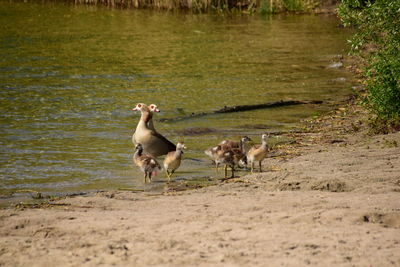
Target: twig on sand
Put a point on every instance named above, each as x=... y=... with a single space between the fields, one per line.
x=131 y=189
x=34 y=194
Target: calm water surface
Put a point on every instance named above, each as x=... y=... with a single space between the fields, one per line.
x=71 y=74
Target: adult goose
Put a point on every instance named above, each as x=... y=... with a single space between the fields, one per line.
x=153 y=143
x=153 y=108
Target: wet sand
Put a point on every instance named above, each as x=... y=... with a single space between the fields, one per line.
x=329 y=199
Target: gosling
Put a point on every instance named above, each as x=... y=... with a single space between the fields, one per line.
x=212 y=153
x=258 y=152
x=173 y=160
x=236 y=156
x=147 y=163
x=225 y=156
x=239 y=148
x=229 y=157
x=240 y=145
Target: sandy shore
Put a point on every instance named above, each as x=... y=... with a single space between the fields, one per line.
x=330 y=199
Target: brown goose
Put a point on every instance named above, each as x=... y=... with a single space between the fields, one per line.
x=226 y=157
x=153 y=143
x=234 y=144
x=238 y=149
x=147 y=117
x=147 y=164
x=229 y=157
x=223 y=154
x=258 y=152
x=173 y=159
x=153 y=108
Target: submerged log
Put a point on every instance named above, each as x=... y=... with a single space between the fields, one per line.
x=265 y=105
x=241 y=108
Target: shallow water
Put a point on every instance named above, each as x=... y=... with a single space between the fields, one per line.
x=71 y=74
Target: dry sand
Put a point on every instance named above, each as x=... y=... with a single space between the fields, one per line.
x=332 y=200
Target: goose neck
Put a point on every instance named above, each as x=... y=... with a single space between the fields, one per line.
x=241 y=145
x=138 y=153
x=146 y=116
x=178 y=152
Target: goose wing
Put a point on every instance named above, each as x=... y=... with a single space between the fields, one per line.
x=170 y=145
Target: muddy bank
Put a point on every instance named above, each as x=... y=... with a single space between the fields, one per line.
x=329 y=199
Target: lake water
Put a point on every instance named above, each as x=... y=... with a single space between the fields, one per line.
x=70 y=76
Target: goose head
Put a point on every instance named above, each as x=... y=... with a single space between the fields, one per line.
x=246 y=139
x=264 y=137
x=141 y=107
x=154 y=108
x=180 y=146
x=139 y=148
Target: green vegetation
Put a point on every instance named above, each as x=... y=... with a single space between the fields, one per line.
x=247 y=6
x=277 y=6
x=378 y=42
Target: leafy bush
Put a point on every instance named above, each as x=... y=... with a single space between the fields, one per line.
x=378 y=41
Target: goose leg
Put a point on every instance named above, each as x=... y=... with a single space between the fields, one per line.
x=252 y=167
x=233 y=171
x=226 y=170
x=259 y=163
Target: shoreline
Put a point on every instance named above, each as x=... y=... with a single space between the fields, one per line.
x=329 y=198
x=27 y=198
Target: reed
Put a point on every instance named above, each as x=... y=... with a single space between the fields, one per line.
x=201 y=6
x=277 y=6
